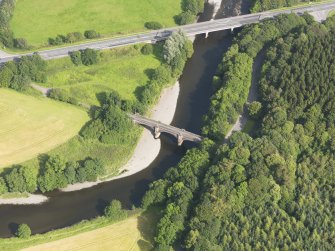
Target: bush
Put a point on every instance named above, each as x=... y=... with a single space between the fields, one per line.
x=73 y=37
x=59 y=40
x=114 y=211
x=90 y=34
x=89 y=56
x=153 y=25
x=21 y=43
x=186 y=17
x=59 y=94
x=23 y=231
x=147 y=49
x=75 y=57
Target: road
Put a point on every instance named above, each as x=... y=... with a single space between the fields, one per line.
x=190 y=30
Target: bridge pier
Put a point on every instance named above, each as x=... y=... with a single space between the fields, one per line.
x=180 y=139
x=157 y=132
x=206 y=34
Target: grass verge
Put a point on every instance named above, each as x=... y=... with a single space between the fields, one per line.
x=109 y=17
x=31 y=126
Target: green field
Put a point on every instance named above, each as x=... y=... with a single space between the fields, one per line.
x=122 y=70
x=31 y=126
x=133 y=233
x=37 y=20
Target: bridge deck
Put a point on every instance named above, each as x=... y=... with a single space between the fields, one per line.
x=166 y=128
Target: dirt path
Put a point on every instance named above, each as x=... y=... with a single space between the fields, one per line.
x=43 y=90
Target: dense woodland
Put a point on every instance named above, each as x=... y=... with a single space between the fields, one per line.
x=274 y=191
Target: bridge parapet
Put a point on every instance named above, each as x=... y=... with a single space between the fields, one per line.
x=158 y=127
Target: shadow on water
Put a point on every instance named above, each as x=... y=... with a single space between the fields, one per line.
x=64 y=209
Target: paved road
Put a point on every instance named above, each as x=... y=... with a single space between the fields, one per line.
x=190 y=30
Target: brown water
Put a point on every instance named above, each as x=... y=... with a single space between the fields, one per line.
x=64 y=209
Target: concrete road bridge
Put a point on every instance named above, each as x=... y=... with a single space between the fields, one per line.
x=158 y=127
x=319 y=10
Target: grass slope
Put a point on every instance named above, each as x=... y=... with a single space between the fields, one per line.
x=30 y=126
x=37 y=20
x=121 y=69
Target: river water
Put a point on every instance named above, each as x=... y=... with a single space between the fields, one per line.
x=64 y=209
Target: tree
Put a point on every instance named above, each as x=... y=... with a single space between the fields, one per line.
x=70 y=171
x=6 y=76
x=56 y=163
x=193 y=6
x=22 y=179
x=161 y=75
x=23 y=231
x=173 y=46
x=114 y=211
x=21 y=43
x=254 y=109
x=3 y=186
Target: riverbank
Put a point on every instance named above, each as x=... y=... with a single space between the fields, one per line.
x=148 y=147
x=29 y=199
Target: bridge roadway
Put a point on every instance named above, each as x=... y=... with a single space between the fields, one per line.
x=158 y=127
x=190 y=30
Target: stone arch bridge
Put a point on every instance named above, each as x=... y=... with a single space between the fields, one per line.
x=158 y=127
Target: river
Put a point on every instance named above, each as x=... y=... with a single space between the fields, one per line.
x=64 y=209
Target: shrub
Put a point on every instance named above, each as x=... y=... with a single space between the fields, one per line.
x=186 y=17
x=114 y=211
x=75 y=57
x=73 y=37
x=21 y=43
x=153 y=25
x=90 y=34
x=62 y=95
x=59 y=40
x=89 y=56
x=147 y=49
x=23 y=231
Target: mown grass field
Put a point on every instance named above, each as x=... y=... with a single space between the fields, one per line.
x=31 y=126
x=121 y=69
x=134 y=233
x=37 y=20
